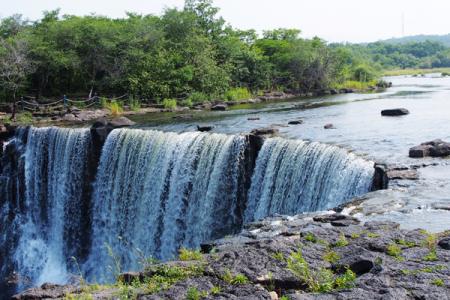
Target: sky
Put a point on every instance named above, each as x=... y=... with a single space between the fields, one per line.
x=332 y=20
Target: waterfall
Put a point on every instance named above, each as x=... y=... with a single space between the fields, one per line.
x=50 y=214
x=150 y=193
x=156 y=192
x=293 y=176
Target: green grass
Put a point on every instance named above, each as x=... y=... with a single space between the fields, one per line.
x=431 y=256
x=438 y=282
x=135 y=104
x=331 y=256
x=186 y=255
x=394 y=250
x=321 y=280
x=237 y=94
x=310 y=237
x=355 y=85
x=400 y=72
x=341 y=242
x=169 y=103
x=234 y=279
x=24 y=118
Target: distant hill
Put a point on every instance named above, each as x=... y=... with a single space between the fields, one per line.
x=444 y=39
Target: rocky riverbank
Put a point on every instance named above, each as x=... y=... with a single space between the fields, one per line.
x=309 y=256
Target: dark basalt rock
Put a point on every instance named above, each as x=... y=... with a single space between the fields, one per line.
x=261 y=252
x=205 y=128
x=295 y=122
x=219 y=107
x=253 y=119
x=394 y=112
x=445 y=243
x=329 y=126
x=435 y=148
x=265 y=131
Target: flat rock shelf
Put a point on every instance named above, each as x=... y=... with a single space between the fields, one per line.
x=309 y=256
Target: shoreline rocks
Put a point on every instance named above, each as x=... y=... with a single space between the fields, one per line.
x=265 y=261
x=435 y=148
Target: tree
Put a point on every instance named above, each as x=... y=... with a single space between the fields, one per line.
x=14 y=67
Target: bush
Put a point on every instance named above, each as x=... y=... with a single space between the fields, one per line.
x=237 y=94
x=25 y=118
x=186 y=255
x=135 y=104
x=198 y=97
x=115 y=108
x=169 y=103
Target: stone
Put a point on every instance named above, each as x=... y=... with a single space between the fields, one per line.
x=435 y=148
x=408 y=174
x=205 y=128
x=253 y=119
x=265 y=131
x=329 y=126
x=295 y=122
x=121 y=122
x=219 y=107
x=445 y=243
x=394 y=112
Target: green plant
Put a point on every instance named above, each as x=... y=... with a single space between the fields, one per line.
x=284 y=298
x=237 y=94
x=394 y=250
x=438 y=282
x=373 y=235
x=187 y=102
x=278 y=256
x=25 y=118
x=198 y=97
x=345 y=281
x=116 y=267
x=185 y=254
x=215 y=290
x=194 y=294
x=169 y=103
x=405 y=243
x=341 y=242
x=135 y=104
x=116 y=108
x=310 y=237
x=331 y=256
x=431 y=256
x=355 y=235
x=240 y=279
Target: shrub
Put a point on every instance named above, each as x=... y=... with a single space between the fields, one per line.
x=135 y=104
x=186 y=255
x=237 y=94
x=116 y=108
x=169 y=103
x=25 y=118
x=342 y=241
x=331 y=256
x=431 y=256
x=198 y=97
x=438 y=282
x=394 y=250
x=310 y=237
x=238 y=279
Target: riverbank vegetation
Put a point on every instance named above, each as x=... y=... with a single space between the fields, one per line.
x=187 y=54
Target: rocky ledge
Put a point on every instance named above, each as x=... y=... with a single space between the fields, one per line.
x=331 y=256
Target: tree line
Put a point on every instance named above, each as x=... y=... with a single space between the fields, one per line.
x=189 y=53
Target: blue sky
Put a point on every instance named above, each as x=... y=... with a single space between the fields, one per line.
x=333 y=20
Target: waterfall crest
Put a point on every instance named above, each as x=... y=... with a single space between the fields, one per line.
x=153 y=192
x=294 y=176
x=156 y=192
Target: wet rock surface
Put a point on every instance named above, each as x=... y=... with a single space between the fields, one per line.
x=394 y=112
x=435 y=148
x=259 y=263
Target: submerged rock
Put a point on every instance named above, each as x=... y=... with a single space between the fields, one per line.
x=265 y=131
x=329 y=126
x=219 y=107
x=295 y=122
x=394 y=112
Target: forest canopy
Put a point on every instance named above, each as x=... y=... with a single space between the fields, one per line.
x=188 y=53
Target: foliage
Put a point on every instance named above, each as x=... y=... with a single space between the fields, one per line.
x=186 y=255
x=25 y=118
x=116 y=108
x=318 y=281
x=394 y=250
x=135 y=104
x=438 y=282
x=235 y=280
x=341 y=242
x=170 y=103
x=331 y=256
x=182 y=53
x=194 y=294
x=310 y=237
x=237 y=94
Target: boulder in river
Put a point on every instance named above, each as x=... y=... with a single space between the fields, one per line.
x=295 y=122
x=329 y=126
x=435 y=148
x=219 y=107
x=205 y=128
x=264 y=131
x=394 y=112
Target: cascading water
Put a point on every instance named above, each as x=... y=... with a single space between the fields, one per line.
x=153 y=193
x=49 y=214
x=295 y=176
x=156 y=192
